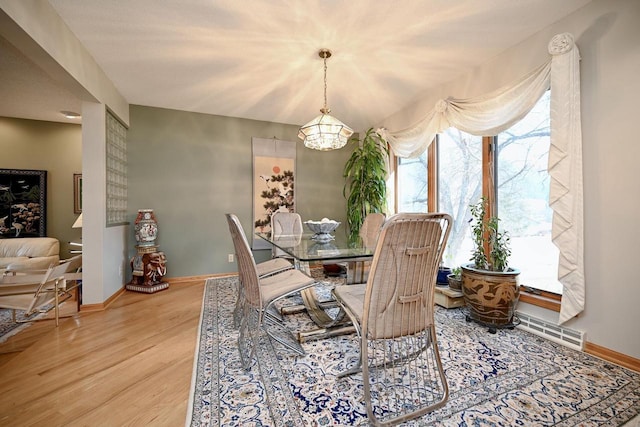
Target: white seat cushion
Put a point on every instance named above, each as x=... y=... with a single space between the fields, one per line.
x=352 y=297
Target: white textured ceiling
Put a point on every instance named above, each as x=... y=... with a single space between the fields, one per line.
x=259 y=59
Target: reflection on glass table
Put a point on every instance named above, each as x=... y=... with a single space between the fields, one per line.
x=304 y=249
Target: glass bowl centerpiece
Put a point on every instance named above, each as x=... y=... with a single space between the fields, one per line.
x=322 y=229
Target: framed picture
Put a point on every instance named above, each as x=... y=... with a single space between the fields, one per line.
x=274 y=163
x=77 y=193
x=23 y=207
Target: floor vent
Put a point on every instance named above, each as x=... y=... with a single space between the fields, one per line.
x=555 y=333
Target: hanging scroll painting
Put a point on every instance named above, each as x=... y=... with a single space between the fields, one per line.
x=273 y=183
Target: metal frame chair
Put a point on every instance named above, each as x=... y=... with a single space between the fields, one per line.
x=259 y=295
x=285 y=224
x=358 y=271
x=394 y=318
x=264 y=269
x=36 y=290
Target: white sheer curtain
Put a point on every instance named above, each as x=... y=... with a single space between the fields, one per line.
x=497 y=111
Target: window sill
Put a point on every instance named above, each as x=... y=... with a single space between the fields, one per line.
x=544 y=299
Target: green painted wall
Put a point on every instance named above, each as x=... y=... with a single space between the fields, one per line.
x=190 y=168
x=193 y=168
x=56 y=148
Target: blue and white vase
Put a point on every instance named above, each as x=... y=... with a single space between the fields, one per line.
x=146 y=228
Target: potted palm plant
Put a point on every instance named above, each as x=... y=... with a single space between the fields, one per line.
x=490 y=287
x=365 y=176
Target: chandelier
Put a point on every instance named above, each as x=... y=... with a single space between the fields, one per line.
x=325 y=132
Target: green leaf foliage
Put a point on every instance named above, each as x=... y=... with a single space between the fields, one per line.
x=498 y=241
x=365 y=176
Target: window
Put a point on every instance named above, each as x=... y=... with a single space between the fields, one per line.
x=459 y=185
x=412 y=194
x=523 y=197
x=512 y=174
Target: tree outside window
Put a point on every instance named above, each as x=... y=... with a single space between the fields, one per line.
x=520 y=184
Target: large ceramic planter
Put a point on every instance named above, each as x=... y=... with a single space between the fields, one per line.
x=491 y=296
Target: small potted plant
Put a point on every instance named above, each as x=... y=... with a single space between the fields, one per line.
x=490 y=287
x=455 y=279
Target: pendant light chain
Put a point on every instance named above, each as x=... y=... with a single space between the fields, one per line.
x=325 y=110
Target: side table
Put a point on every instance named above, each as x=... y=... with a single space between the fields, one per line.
x=148 y=268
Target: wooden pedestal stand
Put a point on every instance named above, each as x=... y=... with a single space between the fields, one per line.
x=446 y=297
x=148 y=268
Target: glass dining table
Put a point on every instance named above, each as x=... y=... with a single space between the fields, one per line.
x=305 y=249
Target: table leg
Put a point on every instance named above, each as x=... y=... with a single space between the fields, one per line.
x=322 y=333
x=317 y=310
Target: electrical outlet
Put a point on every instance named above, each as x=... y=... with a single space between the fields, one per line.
x=230 y=257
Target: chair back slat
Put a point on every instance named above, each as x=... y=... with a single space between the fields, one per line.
x=284 y=223
x=45 y=294
x=248 y=275
x=358 y=271
x=74 y=264
x=370 y=229
x=400 y=288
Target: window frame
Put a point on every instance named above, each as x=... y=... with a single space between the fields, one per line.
x=533 y=296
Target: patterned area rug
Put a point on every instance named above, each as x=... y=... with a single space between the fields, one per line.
x=503 y=379
x=8 y=327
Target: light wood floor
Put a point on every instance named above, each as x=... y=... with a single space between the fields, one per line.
x=129 y=365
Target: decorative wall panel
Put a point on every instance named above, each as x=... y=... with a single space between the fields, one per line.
x=116 y=171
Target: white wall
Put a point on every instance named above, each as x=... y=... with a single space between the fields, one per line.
x=36 y=29
x=104 y=250
x=608 y=36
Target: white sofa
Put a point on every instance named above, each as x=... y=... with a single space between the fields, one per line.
x=29 y=253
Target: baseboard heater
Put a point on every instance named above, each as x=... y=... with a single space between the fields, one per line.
x=559 y=334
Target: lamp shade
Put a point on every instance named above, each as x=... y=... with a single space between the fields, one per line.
x=325 y=132
x=78 y=223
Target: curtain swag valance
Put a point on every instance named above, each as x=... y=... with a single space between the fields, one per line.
x=494 y=112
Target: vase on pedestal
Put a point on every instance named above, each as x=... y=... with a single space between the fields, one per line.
x=146 y=228
x=148 y=265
